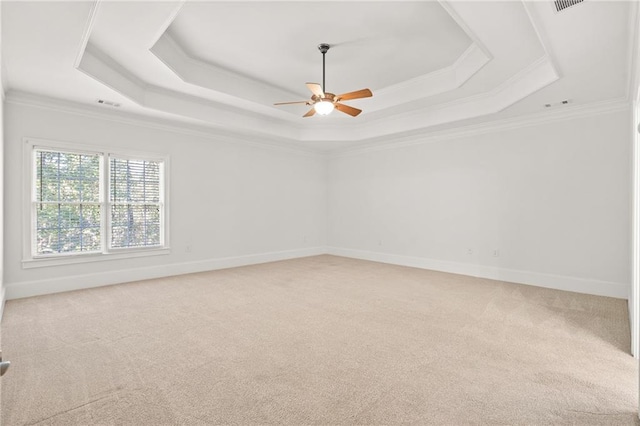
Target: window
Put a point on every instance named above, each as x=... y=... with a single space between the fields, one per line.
x=88 y=204
x=67 y=204
x=134 y=190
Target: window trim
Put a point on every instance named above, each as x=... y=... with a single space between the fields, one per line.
x=31 y=260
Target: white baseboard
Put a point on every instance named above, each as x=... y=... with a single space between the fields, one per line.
x=77 y=282
x=558 y=282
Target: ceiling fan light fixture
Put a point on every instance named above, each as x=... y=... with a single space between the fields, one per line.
x=323 y=102
x=324 y=107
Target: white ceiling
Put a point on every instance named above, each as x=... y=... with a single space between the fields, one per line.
x=366 y=37
x=222 y=65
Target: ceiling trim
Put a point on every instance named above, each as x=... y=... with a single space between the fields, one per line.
x=544 y=117
x=219 y=135
x=101 y=67
x=462 y=24
x=86 y=34
x=539 y=74
x=272 y=123
x=168 y=21
x=472 y=60
x=526 y=81
x=107 y=71
x=418 y=137
x=543 y=38
x=207 y=75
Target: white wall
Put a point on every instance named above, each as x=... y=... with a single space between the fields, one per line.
x=554 y=199
x=634 y=297
x=2 y=87
x=2 y=281
x=231 y=202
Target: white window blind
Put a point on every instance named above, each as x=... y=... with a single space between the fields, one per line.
x=135 y=195
x=67 y=202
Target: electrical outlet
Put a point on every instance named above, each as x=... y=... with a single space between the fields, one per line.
x=469 y=251
x=496 y=253
x=187 y=249
x=379 y=242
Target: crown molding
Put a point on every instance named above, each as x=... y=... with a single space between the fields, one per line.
x=218 y=79
x=446 y=79
x=537 y=75
x=86 y=34
x=101 y=67
x=217 y=134
x=172 y=16
x=543 y=38
x=241 y=113
x=104 y=69
x=499 y=125
x=204 y=74
x=419 y=137
x=448 y=7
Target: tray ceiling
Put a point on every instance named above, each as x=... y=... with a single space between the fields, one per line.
x=223 y=64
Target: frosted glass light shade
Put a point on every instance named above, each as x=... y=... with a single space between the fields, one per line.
x=323 y=107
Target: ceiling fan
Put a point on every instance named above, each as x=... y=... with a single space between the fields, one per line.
x=324 y=102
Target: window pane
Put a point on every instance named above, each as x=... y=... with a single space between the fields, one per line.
x=68 y=205
x=67 y=177
x=135 y=181
x=135 y=225
x=67 y=228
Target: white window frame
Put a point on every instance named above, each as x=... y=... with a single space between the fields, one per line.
x=30 y=259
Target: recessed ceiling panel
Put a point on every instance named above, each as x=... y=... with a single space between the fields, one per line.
x=374 y=44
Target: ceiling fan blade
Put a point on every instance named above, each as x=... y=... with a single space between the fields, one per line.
x=310 y=113
x=316 y=89
x=364 y=93
x=347 y=109
x=289 y=103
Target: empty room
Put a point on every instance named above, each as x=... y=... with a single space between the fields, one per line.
x=319 y=212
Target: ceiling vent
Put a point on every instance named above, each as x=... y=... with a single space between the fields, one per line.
x=565 y=4
x=108 y=103
x=557 y=104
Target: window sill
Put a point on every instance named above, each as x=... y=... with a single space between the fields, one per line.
x=42 y=262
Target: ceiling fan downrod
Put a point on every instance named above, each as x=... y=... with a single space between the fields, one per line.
x=323 y=48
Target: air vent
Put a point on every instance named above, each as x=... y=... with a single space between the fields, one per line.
x=557 y=104
x=565 y=4
x=108 y=103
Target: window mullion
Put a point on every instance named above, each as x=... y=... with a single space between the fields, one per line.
x=105 y=207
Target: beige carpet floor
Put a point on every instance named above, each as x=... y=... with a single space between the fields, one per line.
x=320 y=340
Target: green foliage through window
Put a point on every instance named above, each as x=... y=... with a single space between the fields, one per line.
x=68 y=202
x=135 y=202
x=69 y=207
